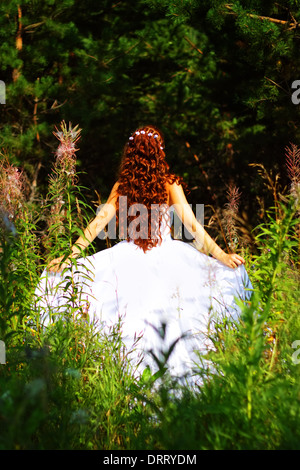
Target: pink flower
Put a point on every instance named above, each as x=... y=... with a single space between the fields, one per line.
x=66 y=151
x=12 y=188
x=65 y=148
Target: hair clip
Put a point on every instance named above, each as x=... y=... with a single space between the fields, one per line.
x=150 y=134
x=155 y=136
x=130 y=138
x=142 y=132
x=137 y=132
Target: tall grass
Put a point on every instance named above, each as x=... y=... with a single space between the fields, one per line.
x=69 y=386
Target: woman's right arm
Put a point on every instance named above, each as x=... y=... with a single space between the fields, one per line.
x=178 y=200
x=104 y=216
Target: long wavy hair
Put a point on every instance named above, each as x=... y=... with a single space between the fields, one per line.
x=143 y=175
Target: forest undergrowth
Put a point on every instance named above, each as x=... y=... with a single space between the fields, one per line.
x=69 y=386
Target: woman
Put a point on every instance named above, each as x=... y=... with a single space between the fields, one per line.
x=163 y=289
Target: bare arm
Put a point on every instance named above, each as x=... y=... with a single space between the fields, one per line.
x=178 y=200
x=98 y=223
x=105 y=215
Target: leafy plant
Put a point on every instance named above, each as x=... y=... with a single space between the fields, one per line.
x=72 y=385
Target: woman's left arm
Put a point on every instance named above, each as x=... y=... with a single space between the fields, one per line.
x=179 y=202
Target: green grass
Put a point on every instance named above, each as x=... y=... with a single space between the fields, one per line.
x=69 y=386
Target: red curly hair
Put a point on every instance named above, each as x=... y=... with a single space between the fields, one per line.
x=143 y=176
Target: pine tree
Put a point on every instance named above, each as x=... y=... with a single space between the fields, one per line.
x=215 y=76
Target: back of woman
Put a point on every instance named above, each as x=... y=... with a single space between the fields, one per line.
x=164 y=290
x=143 y=183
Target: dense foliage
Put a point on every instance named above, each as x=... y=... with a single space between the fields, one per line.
x=70 y=386
x=217 y=78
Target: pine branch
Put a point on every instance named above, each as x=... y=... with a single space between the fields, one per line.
x=19 y=40
x=193 y=45
x=278 y=85
x=291 y=24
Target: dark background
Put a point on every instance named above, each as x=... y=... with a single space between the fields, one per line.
x=215 y=77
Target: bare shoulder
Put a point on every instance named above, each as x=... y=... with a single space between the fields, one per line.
x=176 y=193
x=173 y=186
x=115 y=186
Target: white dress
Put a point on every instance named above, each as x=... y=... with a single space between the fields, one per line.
x=172 y=288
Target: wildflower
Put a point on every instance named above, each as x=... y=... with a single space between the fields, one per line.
x=293 y=169
x=66 y=151
x=64 y=172
x=65 y=148
x=12 y=190
x=230 y=214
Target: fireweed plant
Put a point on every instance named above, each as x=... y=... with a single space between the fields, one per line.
x=69 y=386
x=64 y=204
x=47 y=369
x=19 y=253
